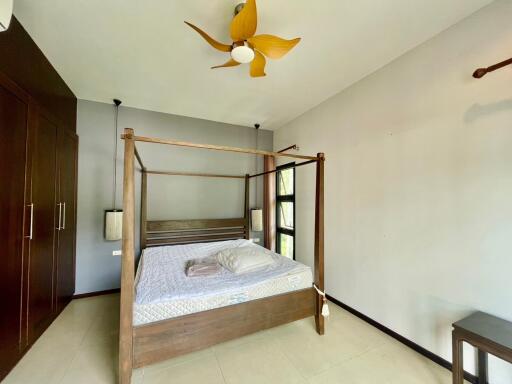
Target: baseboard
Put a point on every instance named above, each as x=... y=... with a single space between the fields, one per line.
x=97 y=293
x=429 y=355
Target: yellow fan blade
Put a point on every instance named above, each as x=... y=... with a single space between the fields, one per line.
x=229 y=63
x=258 y=65
x=244 y=24
x=214 y=43
x=272 y=46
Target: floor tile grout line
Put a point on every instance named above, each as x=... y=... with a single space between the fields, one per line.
x=157 y=370
x=79 y=347
x=68 y=367
x=308 y=379
x=278 y=347
x=220 y=367
x=86 y=332
x=355 y=357
x=345 y=361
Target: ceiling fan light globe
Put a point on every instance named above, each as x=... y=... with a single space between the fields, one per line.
x=242 y=54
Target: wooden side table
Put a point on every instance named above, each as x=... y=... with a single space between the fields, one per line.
x=489 y=334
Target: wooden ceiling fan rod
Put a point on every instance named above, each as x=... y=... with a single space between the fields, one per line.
x=481 y=72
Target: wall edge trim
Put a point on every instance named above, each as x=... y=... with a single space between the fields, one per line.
x=95 y=293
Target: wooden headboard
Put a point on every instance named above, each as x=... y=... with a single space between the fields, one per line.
x=174 y=232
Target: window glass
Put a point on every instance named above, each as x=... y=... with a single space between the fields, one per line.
x=286 y=182
x=286 y=245
x=286 y=214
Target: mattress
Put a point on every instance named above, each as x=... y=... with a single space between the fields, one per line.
x=163 y=291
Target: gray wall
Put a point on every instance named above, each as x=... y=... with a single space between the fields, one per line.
x=169 y=197
x=418 y=219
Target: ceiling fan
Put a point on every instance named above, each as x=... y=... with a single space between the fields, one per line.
x=248 y=47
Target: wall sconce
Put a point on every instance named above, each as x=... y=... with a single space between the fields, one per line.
x=257 y=220
x=113 y=225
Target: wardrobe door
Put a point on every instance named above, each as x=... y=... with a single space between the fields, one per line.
x=13 y=136
x=40 y=303
x=66 y=166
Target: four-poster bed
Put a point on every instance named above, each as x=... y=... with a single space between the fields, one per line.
x=143 y=344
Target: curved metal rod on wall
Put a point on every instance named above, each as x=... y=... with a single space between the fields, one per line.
x=481 y=72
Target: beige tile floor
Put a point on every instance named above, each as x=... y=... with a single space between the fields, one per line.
x=81 y=347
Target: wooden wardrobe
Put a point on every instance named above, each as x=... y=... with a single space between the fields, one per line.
x=38 y=174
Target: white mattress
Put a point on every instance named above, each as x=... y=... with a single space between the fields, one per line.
x=163 y=291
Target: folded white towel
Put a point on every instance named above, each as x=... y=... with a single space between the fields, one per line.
x=203 y=267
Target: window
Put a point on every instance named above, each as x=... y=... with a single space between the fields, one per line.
x=285 y=211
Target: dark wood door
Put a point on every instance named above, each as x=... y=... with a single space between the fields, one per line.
x=40 y=303
x=66 y=167
x=13 y=137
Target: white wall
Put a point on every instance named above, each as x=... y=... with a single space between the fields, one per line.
x=419 y=186
x=169 y=197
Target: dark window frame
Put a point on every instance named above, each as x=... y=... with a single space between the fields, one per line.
x=285 y=198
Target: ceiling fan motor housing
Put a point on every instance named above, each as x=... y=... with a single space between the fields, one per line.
x=238 y=8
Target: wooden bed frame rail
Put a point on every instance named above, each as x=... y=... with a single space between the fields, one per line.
x=176 y=232
x=170 y=338
x=150 y=343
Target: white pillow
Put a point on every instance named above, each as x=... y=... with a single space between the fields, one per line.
x=244 y=259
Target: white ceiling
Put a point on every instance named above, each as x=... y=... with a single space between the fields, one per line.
x=143 y=53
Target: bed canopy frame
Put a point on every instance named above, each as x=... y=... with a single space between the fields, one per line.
x=146 y=344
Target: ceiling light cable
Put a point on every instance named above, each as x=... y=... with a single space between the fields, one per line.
x=257 y=127
x=117 y=103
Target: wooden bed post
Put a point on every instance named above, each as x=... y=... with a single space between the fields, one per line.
x=127 y=263
x=246 y=208
x=143 y=208
x=319 y=241
x=269 y=203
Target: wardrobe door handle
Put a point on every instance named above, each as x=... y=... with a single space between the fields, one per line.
x=60 y=216
x=31 y=232
x=64 y=216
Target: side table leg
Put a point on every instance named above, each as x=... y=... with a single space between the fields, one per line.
x=483 y=375
x=457 y=354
